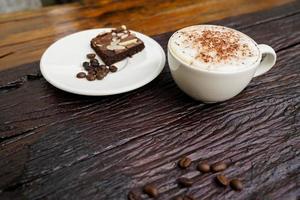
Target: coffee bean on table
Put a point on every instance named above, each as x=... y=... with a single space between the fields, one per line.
x=151 y=190
x=90 y=77
x=81 y=75
x=113 y=68
x=236 y=184
x=133 y=196
x=185 y=182
x=184 y=162
x=222 y=180
x=219 y=166
x=85 y=64
x=90 y=55
x=203 y=167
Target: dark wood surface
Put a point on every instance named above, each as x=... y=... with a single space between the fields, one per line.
x=24 y=36
x=56 y=145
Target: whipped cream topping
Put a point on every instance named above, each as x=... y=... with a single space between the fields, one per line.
x=214 y=48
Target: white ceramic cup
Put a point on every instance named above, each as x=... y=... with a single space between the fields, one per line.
x=215 y=86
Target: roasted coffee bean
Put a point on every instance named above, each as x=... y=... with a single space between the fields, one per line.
x=88 y=68
x=94 y=60
x=91 y=55
x=185 y=182
x=101 y=70
x=81 y=75
x=105 y=71
x=90 y=77
x=222 y=180
x=113 y=68
x=133 y=196
x=151 y=190
x=97 y=69
x=219 y=166
x=95 y=64
x=102 y=67
x=85 y=64
x=184 y=162
x=188 y=197
x=236 y=184
x=91 y=71
x=203 y=167
x=100 y=76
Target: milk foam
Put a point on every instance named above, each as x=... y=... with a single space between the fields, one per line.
x=214 y=48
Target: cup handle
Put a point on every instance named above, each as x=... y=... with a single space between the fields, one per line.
x=267 y=61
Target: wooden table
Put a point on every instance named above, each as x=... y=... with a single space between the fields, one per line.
x=56 y=145
x=24 y=36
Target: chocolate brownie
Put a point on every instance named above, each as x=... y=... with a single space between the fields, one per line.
x=116 y=45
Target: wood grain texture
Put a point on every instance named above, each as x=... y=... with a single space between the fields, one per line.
x=56 y=145
x=25 y=36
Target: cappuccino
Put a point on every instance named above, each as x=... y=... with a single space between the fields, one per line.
x=214 y=48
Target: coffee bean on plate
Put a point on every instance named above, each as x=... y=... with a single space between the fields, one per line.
x=91 y=71
x=90 y=55
x=90 y=77
x=113 y=68
x=100 y=75
x=95 y=64
x=151 y=190
x=81 y=75
x=97 y=69
x=94 y=60
x=88 y=68
x=203 y=167
x=236 y=184
x=102 y=67
x=219 y=166
x=85 y=64
x=133 y=196
x=185 y=182
x=184 y=162
x=222 y=180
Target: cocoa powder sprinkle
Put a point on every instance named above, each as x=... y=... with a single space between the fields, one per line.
x=216 y=46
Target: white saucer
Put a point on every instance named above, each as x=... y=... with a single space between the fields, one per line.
x=63 y=60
